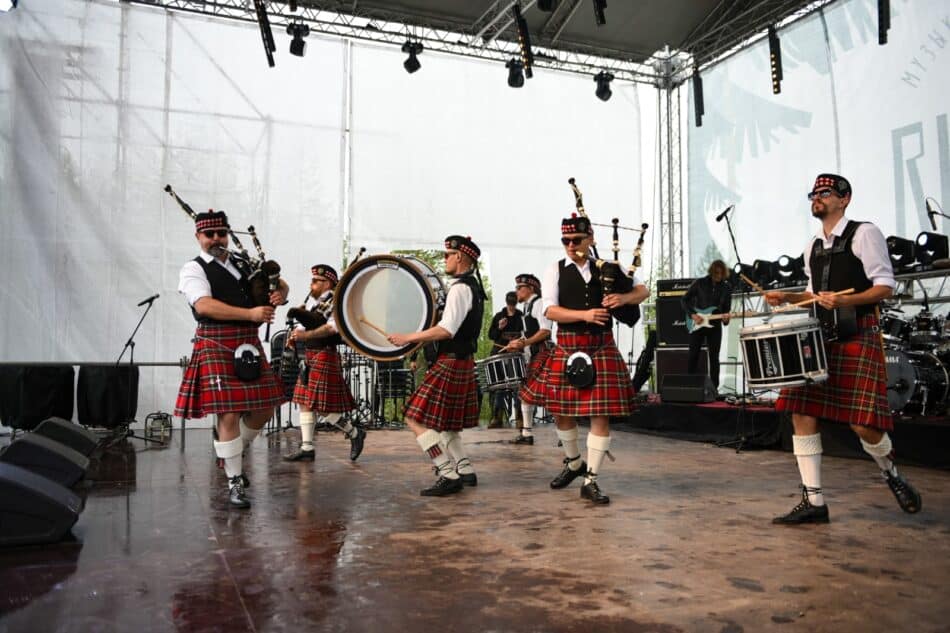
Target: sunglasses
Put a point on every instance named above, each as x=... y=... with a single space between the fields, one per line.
x=576 y=241
x=824 y=193
x=210 y=233
x=447 y=254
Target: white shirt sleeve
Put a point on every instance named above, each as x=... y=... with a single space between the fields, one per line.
x=457 y=304
x=870 y=247
x=807 y=255
x=537 y=311
x=193 y=283
x=549 y=288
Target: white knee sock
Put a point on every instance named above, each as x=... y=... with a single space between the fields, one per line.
x=881 y=452
x=248 y=434
x=452 y=440
x=569 y=444
x=307 y=421
x=527 y=417
x=230 y=452
x=431 y=443
x=807 y=449
x=597 y=447
x=346 y=426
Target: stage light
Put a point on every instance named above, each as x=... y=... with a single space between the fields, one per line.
x=743 y=269
x=412 y=62
x=764 y=272
x=698 y=105
x=524 y=41
x=603 y=79
x=515 y=72
x=930 y=247
x=298 y=31
x=599 y=6
x=547 y=5
x=7 y=5
x=790 y=271
x=883 y=20
x=775 y=60
x=902 y=252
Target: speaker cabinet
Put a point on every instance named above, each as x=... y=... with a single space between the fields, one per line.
x=47 y=458
x=687 y=388
x=81 y=440
x=675 y=360
x=107 y=396
x=29 y=395
x=671 y=323
x=34 y=509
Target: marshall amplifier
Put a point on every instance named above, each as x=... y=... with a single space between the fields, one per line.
x=669 y=288
x=670 y=316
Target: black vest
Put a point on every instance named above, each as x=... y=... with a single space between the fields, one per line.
x=575 y=294
x=531 y=325
x=227 y=289
x=465 y=341
x=328 y=341
x=837 y=268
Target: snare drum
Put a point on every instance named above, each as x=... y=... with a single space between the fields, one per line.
x=895 y=329
x=502 y=371
x=784 y=354
x=395 y=293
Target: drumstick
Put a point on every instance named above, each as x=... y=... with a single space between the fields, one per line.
x=812 y=300
x=374 y=326
x=752 y=284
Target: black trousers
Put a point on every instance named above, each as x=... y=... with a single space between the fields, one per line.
x=713 y=338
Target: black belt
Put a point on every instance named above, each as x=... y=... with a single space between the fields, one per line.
x=454 y=356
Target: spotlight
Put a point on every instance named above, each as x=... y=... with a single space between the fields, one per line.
x=902 y=252
x=298 y=31
x=524 y=41
x=743 y=269
x=7 y=5
x=764 y=272
x=547 y=5
x=599 y=6
x=883 y=20
x=603 y=79
x=515 y=72
x=698 y=105
x=931 y=247
x=412 y=62
x=775 y=60
x=790 y=271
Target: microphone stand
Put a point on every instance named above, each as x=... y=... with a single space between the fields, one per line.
x=739 y=440
x=130 y=345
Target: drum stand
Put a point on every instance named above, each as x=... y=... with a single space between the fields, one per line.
x=358 y=374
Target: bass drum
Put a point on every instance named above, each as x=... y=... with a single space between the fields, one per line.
x=386 y=294
x=917 y=382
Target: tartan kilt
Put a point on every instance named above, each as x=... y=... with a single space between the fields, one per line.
x=325 y=391
x=532 y=391
x=210 y=386
x=856 y=389
x=446 y=400
x=612 y=392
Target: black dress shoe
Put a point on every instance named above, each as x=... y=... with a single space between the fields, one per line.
x=356 y=444
x=906 y=495
x=443 y=487
x=301 y=456
x=566 y=476
x=804 y=512
x=521 y=439
x=245 y=481
x=469 y=479
x=236 y=495
x=592 y=492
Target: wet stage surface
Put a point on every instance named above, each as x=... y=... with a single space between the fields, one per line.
x=685 y=545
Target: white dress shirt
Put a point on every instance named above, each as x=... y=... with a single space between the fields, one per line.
x=311 y=303
x=550 y=295
x=537 y=311
x=193 y=282
x=868 y=245
x=457 y=304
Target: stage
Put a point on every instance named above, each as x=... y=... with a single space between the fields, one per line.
x=685 y=545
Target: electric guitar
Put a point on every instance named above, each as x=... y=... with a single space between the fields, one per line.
x=706 y=314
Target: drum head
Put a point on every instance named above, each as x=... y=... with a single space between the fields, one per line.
x=380 y=295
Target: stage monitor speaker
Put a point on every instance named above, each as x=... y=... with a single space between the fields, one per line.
x=107 y=396
x=81 y=440
x=34 y=509
x=671 y=323
x=687 y=388
x=675 y=360
x=47 y=458
x=29 y=395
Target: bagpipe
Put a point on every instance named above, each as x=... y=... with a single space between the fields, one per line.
x=613 y=278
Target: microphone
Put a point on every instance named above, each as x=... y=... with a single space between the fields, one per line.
x=724 y=213
x=930 y=214
x=149 y=300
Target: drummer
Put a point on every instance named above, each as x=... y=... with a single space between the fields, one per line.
x=446 y=401
x=843 y=254
x=537 y=337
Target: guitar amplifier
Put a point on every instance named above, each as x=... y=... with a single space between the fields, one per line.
x=668 y=288
x=671 y=323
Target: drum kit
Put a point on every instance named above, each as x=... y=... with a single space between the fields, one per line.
x=790 y=353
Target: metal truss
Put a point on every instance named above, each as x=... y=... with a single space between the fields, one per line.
x=670 y=174
x=480 y=40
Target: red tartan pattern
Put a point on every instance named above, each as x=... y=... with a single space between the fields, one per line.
x=325 y=391
x=532 y=391
x=610 y=395
x=856 y=389
x=447 y=399
x=209 y=385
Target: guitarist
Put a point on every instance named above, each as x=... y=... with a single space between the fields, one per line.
x=711 y=291
x=843 y=254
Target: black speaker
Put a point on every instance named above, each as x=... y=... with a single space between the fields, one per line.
x=29 y=395
x=687 y=388
x=107 y=396
x=81 y=440
x=34 y=509
x=675 y=360
x=47 y=458
x=671 y=323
